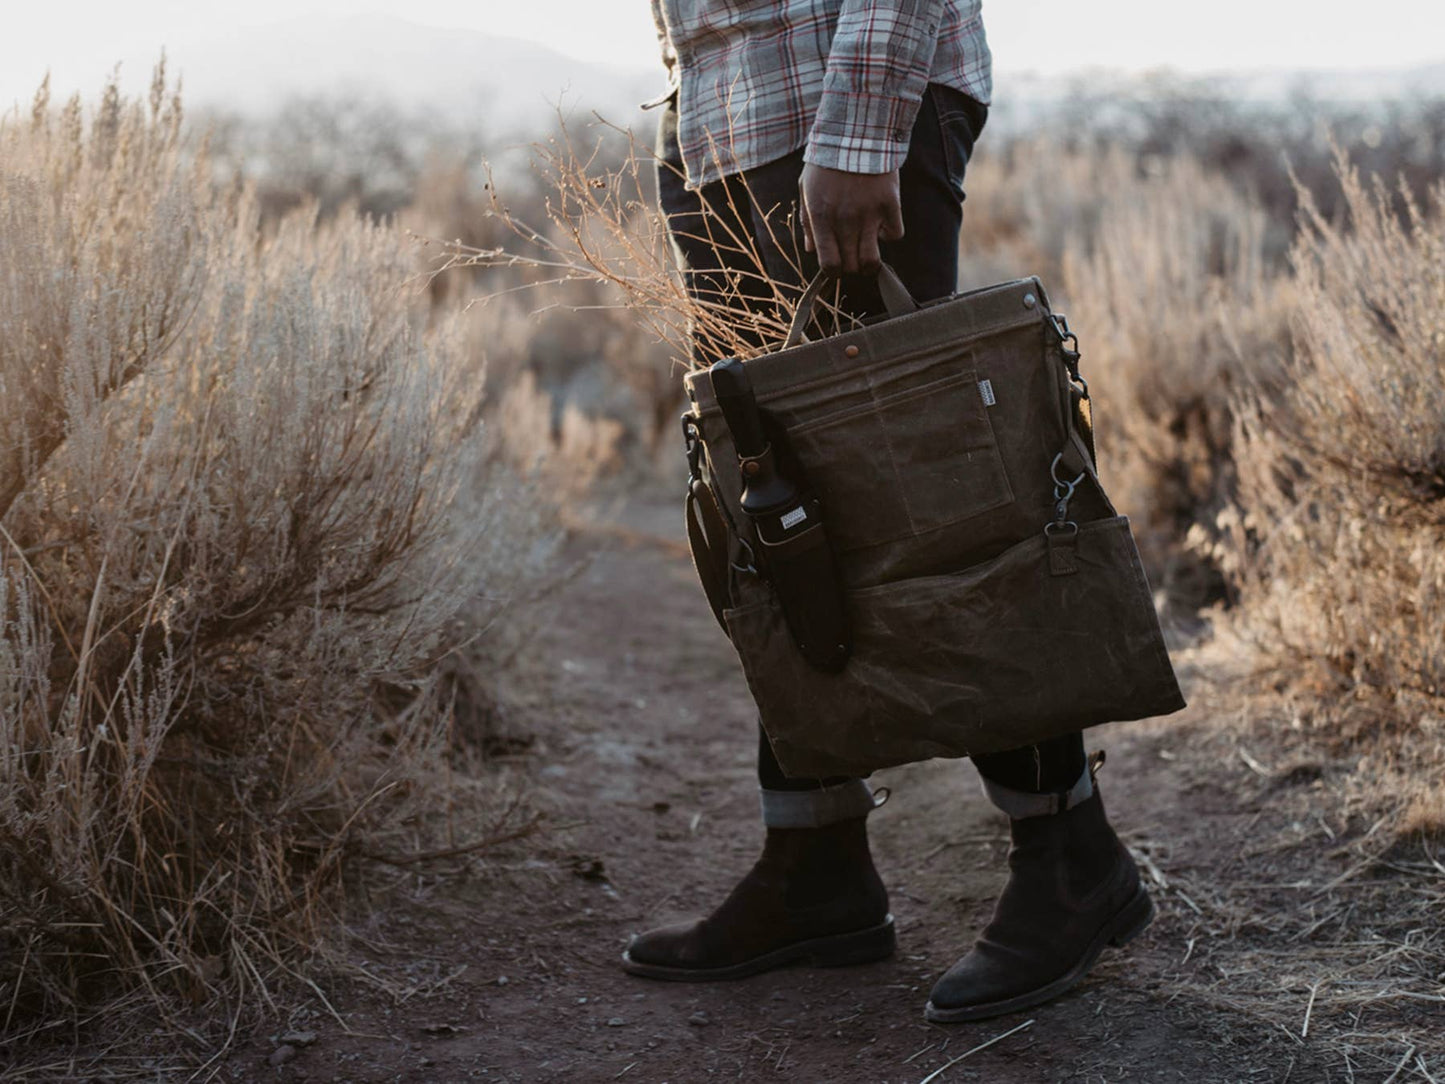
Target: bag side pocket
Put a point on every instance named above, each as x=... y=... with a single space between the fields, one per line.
x=994 y=657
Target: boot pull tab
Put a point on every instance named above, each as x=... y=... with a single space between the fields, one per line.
x=1096 y=761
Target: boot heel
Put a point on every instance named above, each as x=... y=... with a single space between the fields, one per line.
x=863 y=947
x=1133 y=919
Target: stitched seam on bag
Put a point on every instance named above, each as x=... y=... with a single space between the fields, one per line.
x=944 y=348
x=706 y=405
x=892 y=458
x=890 y=400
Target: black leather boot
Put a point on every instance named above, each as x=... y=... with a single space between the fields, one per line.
x=812 y=897
x=1072 y=890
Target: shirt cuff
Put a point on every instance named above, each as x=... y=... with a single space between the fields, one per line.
x=861 y=133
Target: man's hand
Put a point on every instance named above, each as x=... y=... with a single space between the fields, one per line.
x=846 y=214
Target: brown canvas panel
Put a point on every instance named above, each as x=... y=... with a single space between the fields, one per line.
x=930 y=438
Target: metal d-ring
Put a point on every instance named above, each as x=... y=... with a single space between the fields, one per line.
x=1060 y=485
x=752 y=565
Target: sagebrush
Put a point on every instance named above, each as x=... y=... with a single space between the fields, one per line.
x=243 y=494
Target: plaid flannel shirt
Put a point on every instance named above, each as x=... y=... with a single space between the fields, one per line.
x=757 y=79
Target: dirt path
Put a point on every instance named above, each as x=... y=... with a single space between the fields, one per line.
x=645 y=733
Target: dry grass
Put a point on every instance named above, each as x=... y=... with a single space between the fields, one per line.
x=243 y=498
x=1337 y=541
x=1326 y=928
x=1307 y=915
x=1164 y=269
x=1275 y=430
x=603 y=228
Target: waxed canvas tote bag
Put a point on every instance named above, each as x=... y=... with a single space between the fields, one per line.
x=995 y=598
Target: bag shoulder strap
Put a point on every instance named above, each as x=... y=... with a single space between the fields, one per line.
x=708 y=537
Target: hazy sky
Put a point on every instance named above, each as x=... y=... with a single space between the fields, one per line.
x=80 y=38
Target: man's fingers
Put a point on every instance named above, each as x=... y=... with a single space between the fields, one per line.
x=892 y=221
x=849 y=228
x=826 y=244
x=847 y=242
x=846 y=214
x=869 y=258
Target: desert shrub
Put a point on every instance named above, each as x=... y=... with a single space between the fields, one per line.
x=243 y=498
x=1163 y=269
x=1028 y=202
x=1177 y=304
x=1274 y=146
x=1336 y=536
x=339 y=150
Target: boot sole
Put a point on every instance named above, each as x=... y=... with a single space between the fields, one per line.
x=839 y=950
x=1128 y=923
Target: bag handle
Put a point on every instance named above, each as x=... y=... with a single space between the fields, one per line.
x=896 y=300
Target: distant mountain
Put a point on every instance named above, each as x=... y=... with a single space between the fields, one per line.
x=459 y=74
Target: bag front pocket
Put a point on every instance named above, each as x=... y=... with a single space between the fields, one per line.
x=1000 y=655
x=905 y=464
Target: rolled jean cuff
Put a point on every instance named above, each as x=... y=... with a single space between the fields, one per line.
x=1021 y=804
x=816 y=808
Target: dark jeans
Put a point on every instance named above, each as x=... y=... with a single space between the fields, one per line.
x=711 y=228
x=717 y=229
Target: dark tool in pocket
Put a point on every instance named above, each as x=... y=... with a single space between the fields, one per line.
x=787 y=520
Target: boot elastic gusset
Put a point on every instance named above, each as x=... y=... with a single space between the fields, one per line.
x=1073 y=889
x=1131 y=921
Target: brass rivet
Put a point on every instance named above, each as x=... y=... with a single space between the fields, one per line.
x=751 y=467
x=1030 y=301
x=850 y=351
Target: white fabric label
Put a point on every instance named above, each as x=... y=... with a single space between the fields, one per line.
x=796 y=516
x=985 y=388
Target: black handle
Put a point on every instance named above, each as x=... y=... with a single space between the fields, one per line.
x=734 y=394
x=896 y=300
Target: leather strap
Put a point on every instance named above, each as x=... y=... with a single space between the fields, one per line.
x=1063 y=546
x=707 y=538
x=896 y=300
x=1082 y=417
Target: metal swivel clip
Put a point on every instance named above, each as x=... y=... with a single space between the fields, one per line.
x=1063 y=493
